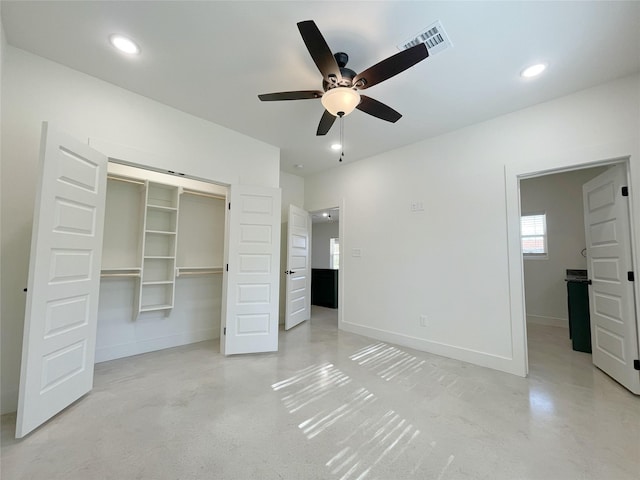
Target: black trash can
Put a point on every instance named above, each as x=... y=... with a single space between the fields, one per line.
x=578 y=305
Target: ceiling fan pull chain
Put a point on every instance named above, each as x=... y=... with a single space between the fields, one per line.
x=341 y=137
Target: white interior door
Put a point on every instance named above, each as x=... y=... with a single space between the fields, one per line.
x=64 y=280
x=253 y=277
x=611 y=300
x=298 y=273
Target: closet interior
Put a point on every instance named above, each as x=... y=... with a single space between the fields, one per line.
x=162 y=262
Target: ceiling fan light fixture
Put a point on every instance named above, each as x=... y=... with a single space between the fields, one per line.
x=336 y=146
x=340 y=100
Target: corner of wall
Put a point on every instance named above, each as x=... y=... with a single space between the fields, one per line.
x=6 y=398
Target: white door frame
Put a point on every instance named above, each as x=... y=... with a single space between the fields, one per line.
x=513 y=176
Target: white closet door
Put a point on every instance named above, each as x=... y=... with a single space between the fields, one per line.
x=298 y=293
x=64 y=280
x=611 y=299
x=254 y=271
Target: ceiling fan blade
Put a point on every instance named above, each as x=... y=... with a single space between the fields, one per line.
x=298 y=95
x=320 y=51
x=378 y=109
x=326 y=122
x=391 y=66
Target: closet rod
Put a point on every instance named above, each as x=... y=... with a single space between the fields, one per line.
x=120 y=179
x=202 y=272
x=209 y=195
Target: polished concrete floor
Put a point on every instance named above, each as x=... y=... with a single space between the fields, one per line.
x=333 y=405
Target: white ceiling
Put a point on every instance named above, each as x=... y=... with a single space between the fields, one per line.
x=212 y=59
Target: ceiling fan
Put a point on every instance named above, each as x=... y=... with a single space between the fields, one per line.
x=341 y=84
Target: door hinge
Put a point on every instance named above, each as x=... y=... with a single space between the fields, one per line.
x=224 y=332
x=229 y=205
x=636 y=364
x=631 y=277
x=625 y=191
x=227 y=267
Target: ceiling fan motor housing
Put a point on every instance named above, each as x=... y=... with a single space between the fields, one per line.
x=347 y=74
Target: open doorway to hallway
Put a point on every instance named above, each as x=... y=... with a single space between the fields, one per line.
x=325 y=257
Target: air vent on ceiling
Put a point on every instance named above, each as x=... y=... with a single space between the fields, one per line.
x=433 y=36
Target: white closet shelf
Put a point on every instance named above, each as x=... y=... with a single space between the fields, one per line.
x=160 y=232
x=159 y=257
x=158 y=282
x=153 y=308
x=154 y=206
x=124 y=179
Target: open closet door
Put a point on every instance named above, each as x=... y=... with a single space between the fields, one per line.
x=611 y=299
x=253 y=276
x=298 y=288
x=64 y=280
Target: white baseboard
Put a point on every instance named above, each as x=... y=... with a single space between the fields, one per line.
x=548 y=321
x=112 y=352
x=483 y=359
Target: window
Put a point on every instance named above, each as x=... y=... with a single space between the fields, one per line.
x=334 y=253
x=533 y=233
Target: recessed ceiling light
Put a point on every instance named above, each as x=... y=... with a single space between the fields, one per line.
x=325 y=214
x=336 y=146
x=124 y=44
x=533 y=70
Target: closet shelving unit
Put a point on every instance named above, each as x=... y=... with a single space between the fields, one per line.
x=158 y=234
x=159 y=247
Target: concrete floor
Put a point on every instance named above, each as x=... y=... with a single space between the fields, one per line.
x=333 y=405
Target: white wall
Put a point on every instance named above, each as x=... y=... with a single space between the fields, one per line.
x=322 y=232
x=560 y=197
x=456 y=262
x=292 y=194
x=35 y=89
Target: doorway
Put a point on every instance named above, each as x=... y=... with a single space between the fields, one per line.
x=325 y=258
x=553 y=241
x=162 y=267
x=555 y=248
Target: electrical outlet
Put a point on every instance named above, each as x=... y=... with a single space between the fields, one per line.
x=424 y=321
